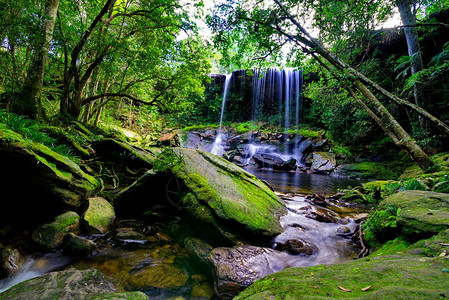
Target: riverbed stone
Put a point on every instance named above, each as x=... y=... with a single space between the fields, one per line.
x=99 y=216
x=76 y=245
x=159 y=276
x=296 y=247
x=237 y=268
x=228 y=198
x=51 y=235
x=268 y=160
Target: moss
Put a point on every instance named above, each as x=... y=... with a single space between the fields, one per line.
x=367 y=170
x=377 y=185
x=388 y=277
x=99 y=215
x=231 y=194
x=121 y=296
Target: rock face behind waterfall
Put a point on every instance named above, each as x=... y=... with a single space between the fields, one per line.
x=229 y=198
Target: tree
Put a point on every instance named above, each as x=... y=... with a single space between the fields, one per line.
x=280 y=25
x=408 y=18
x=29 y=100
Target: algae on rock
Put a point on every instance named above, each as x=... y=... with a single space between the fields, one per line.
x=228 y=197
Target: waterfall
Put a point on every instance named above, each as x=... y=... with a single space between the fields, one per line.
x=217 y=147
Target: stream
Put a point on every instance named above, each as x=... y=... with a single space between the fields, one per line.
x=162 y=268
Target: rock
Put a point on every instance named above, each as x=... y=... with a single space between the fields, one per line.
x=50 y=236
x=36 y=174
x=199 y=251
x=10 y=261
x=221 y=193
x=121 y=296
x=75 y=245
x=237 y=268
x=320 y=214
x=323 y=162
x=318 y=199
x=268 y=160
x=124 y=154
x=365 y=170
x=385 y=277
x=343 y=230
x=129 y=235
x=296 y=247
x=420 y=212
x=68 y=284
x=169 y=137
x=159 y=276
x=99 y=215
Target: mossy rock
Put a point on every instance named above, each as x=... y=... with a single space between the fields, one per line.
x=377 y=185
x=38 y=176
x=387 y=277
x=441 y=159
x=51 y=235
x=228 y=197
x=76 y=245
x=421 y=211
x=366 y=170
x=69 y=284
x=99 y=215
x=121 y=296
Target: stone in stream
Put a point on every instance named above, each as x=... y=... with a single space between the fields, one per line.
x=237 y=268
x=296 y=247
x=323 y=162
x=76 y=245
x=51 y=235
x=265 y=160
x=99 y=215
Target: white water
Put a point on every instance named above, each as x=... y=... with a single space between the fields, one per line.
x=217 y=147
x=34 y=267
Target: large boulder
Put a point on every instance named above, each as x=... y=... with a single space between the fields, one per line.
x=365 y=170
x=69 y=284
x=323 y=162
x=227 y=197
x=38 y=176
x=99 y=216
x=419 y=212
x=385 y=277
x=51 y=235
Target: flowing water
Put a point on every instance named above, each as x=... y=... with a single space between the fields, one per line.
x=217 y=147
x=304 y=183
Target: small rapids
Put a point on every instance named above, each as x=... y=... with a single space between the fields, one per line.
x=35 y=266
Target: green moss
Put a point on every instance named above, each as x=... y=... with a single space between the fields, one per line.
x=387 y=277
x=200 y=127
x=230 y=193
x=121 y=296
x=368 y=170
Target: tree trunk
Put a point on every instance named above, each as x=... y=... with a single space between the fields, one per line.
x=402 y=138
x=29 y=101
x=314 y=46
x=408 y=19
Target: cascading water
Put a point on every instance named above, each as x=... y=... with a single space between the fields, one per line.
x=217 y=146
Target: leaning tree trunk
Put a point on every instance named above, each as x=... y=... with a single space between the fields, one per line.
x=408 y=19
x=29 y=100
x=315 y=46
x=403 y=139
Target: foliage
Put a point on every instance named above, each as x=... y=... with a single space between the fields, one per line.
x=34 y=131
x=381 y=225
x=167 y=160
